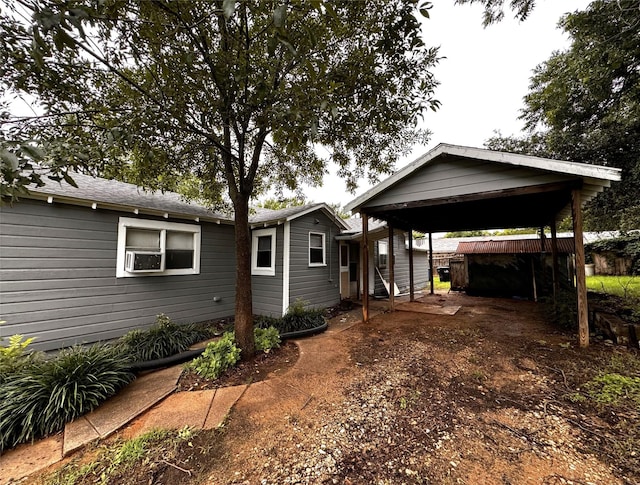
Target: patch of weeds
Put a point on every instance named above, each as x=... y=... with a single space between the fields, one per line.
x=613 y=389
x=406 y=402
x=123 y=458
x=478 y=376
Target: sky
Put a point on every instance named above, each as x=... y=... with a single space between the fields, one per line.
x=483 y=78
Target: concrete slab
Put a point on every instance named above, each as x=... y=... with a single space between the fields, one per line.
x=78 y=433
x=133 y=400
x=178 y=410
x=420 y=307
x=29 y=458
x=223 y=401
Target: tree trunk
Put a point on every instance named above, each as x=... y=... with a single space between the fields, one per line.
x=243 y=325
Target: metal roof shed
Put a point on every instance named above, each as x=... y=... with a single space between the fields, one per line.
x=454 y=187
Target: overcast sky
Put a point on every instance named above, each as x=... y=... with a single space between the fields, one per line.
x=482 y=80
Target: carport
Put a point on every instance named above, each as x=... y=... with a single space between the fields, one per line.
x=456 y=188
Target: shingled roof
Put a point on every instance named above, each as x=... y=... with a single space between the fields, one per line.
x=111 y=194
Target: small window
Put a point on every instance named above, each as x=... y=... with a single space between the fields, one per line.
x=383 y=253
x=344 y=256
x=157 y=248
x=263 y=252
x=316 y=249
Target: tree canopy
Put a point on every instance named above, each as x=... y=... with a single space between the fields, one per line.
x=232 y=95
x=584 y=106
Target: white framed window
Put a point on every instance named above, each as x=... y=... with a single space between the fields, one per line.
x=157 y=248
x=317 y=249
x=383 y=254
x=263 y=252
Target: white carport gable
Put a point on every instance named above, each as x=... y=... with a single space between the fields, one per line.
x=448 y=187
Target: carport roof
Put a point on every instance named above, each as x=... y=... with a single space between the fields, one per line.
x=454 y=187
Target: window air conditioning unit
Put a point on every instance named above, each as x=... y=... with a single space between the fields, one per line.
x=143 y=261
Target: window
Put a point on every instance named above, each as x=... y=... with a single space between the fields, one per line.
x=316 y=249
x=344 y=256
x=382 y=254
x=157 y=248
x=263 y=252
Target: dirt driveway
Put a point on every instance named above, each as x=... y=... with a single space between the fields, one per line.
x=479 y=397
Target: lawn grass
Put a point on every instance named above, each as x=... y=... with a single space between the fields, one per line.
x=623 y=286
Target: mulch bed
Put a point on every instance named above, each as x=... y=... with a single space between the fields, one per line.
x=261 y=367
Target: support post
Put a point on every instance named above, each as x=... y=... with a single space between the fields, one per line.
x=411 y=283
x=431 y=263
x=365 y=267
x=581 y=284
x=391 y=263
x=556 y=266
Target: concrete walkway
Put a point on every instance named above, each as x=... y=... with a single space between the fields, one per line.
x=151 y=402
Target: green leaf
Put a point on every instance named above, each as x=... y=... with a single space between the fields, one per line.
x=10 y=159
x=69 y=180
x=279 y=16
x=228 y=7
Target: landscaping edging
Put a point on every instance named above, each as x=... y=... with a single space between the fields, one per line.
x=307 y=332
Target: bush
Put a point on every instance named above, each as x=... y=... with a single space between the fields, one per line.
x=16 y=356
x=266 y=339
x=163 y=339
x=41 y=398
x=297 y=318
x=217 y=357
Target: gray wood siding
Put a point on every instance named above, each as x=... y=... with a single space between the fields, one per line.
x=267 y=290
x=401 y=273
x=319 y=286
x=58 y=283
x=446 y=179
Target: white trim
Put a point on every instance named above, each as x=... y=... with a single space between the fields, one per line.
x=286 y=266
x=598 y=173
x=260 y=271
x=324 y=249
x=163 y=227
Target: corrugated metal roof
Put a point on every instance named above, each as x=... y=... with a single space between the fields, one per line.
x=514 y=246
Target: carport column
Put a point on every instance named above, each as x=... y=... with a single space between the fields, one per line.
x=365 y=267
x=554 y=256
x=581 y=284
x=391 y=263
x=411 y=290
x=431 y=263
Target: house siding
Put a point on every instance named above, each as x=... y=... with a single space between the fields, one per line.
x=267 y=290
x=58 y=277
x=401 y=268
x=445 y=179
x=317 y=286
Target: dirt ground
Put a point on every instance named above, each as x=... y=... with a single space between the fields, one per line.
x=479 y=397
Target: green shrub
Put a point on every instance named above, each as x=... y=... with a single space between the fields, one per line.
x=298 y=317
x=41 y=398
x=163 y=339
x=217 y=357
x=16 y=356
x=266 y=338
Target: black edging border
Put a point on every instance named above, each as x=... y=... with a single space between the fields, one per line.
x=192 y=354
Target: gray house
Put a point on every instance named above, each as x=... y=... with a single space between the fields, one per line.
x=379 y=260
x=91 y=263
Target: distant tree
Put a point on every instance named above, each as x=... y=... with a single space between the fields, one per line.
x=238 y=93
x=467 y=234
x=584 y=106
x=494 y=9
x=282 y=203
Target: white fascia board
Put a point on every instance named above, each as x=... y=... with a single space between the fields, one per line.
x=125 y=208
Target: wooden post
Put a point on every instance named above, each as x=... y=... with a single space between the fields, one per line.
x=411 y=283
x=391 y=263
x=556 y=266
x=365 y=267
x=581 y=284
x=431 y=262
